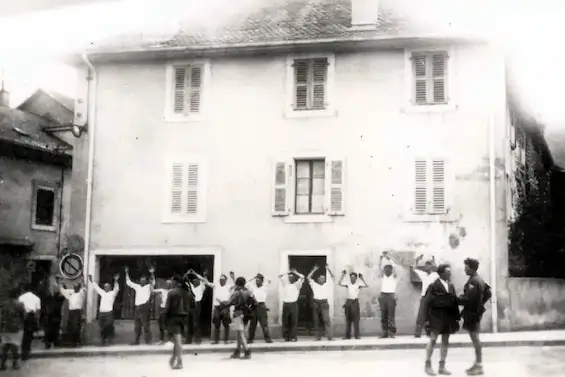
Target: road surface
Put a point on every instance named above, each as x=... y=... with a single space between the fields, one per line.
x=512 y=361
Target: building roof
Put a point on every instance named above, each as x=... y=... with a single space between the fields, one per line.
x=48 y=104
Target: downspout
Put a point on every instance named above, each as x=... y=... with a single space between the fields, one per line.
x=493 y=264
x=61 y=199
x=91 y=122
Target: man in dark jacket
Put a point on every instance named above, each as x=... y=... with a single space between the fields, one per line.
x=442 y=317
x=476 y=293
x=176 y=311
x=11 y=329
x=242 y=301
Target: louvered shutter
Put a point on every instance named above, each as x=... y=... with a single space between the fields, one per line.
x=420 y=76
x=320 y=67
x=195 y=88
x=438 y=72
x=177 y=188
x=192 y=189
x=421 y=187
x=180 y=89
x=301 y=84
x=280 y=190
x=335 y=192
x=438 y=187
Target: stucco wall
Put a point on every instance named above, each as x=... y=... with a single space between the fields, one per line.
x=246 y=131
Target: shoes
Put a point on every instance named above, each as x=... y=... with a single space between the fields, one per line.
x=442 y=370
x=475 y=370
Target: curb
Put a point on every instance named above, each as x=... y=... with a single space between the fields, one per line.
x=260 y=348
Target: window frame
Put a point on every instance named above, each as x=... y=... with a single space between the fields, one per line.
x=169 y=113
x=311 y=162
x=55 y=188
x=329 y=97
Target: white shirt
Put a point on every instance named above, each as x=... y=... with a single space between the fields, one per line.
x=164 y=294
x=76 y=299
x=142 y=294
x=31 y=302
x=445 y=285
x=320 y=291
x=388 y=284
x=353 y=290
x=106 y=298
x=291 y=291
x=260 y=293
x=223 y=293
x=198 y=291
x=427 y=279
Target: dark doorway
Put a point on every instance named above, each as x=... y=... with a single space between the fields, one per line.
x=305 y=264
x=165 y=268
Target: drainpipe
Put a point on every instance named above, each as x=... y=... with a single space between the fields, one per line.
x=91 y=122
x=493 y=264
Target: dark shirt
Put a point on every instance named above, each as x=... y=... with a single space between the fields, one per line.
x=475 y=295
x=176 y=303
x=242 y=300
x=442 y=311
x=13 y=316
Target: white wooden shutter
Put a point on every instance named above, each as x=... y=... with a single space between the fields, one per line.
x=301 y=84
x=320 y=68
x=179 y=103
x=420 y=86
x=335 y=194
x=177 y=189
x=195 y=88
x=439 y=78
x=186 y=191
x=280 y=202
x=438 y=205
x=192 y=190
x=421 y=186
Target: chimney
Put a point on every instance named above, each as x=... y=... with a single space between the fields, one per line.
x=4 y=97
x=364 y=14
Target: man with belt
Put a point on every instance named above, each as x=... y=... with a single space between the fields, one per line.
x=32 y=307
x=221 y=315
x=143 y=292
x=387 y=299
x=198 y=284
x=427 y=275
x=321 y=292
x=258 y=288
x=291 y=291
x=106 y=309
x=352 y=312
x=76 y=298
x=164 y=292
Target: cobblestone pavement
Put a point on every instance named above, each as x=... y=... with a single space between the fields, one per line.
x=513 y=361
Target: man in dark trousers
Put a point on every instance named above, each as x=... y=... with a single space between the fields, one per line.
x=321 y=291
x=258 y=287
x=76 y=297
x=221 y=315
x=387 y=299
x=143 y=292
x=291 y=291
x=176 y=311
x=441 y=317
x=53 y=316
x=476 y=293
x=351 y=306
x=198 y=284
x=32 y=306
x=242 y=301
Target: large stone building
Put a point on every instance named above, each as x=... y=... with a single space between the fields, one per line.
x=301 y=133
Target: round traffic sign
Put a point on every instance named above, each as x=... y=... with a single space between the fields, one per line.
x=71 y=266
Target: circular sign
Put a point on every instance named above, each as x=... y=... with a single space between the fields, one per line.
x=71 y=266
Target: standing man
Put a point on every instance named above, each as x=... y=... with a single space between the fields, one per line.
x=76 y=298
x=164 y=292
x=321 y=293
x=352 y=311
x=442 y=317
x=291 y=291
x=198 y=285
x=242 y=301
x=427 y=275
x=106 y=309
x=476 y=293
x=387 y=299
x=258 y=288
x=32 y=306
x=176 y=313
x=11 y=329
x=221 y=314
x=53 y=315
x=143 y=292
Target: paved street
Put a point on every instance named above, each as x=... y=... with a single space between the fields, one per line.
x=513 y=361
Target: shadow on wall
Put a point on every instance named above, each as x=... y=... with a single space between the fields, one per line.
x=536 y=303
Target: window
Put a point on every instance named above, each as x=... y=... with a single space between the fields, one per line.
x=44 y=205
x=186 y=192
x=310 y=186
x=185 y=94
x=429 y=189
x=310 y=76
x=430 y=78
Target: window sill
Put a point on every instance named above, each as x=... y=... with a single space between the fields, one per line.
x=308 y=219
x=183 y=220
x=183 y=119
x=329 y=112
x=44 y=228
x=417 y=109
x=450 y=217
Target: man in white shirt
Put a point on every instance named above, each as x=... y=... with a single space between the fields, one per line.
x=258 y=287
x=291 y=291
x=197 y=284
x=164 y=292
x=106 y=309
x=352 y=310
x=32 y=306
x=427 y=275
x=76 y=298
x=321 y=308
x=387 y=299
x=221 y=314
x=143 y=292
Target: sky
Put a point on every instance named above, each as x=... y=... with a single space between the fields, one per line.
x=531 y=31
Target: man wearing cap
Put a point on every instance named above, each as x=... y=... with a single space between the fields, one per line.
x=427 y=275
x=258 y=287
x=221 y=315
x=164 y=292
x=32 y=307
x=352 y=312
x=197 y=284
x=106 y=309
x=387 y=299
x=291 y=291
x=143 y=292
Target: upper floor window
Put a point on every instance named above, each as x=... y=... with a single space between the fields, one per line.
x=430 y=78
x=310 y=186
x=430 y=187
x=44 y=208
x=186 y=84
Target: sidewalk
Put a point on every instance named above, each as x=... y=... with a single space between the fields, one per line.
x=512 y=339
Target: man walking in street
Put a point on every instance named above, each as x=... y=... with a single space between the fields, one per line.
x=291 y=291
x=221 y=314
x=258 y=287
x=476 y=293
x=321 y=310
x=76 y=298
x=106 y=309
x=13 y=315
x=442 y=317
x=164 y=292
x=427 y=275
x=242 y=301
x=387 y=299
x=351 y=306
x=143 y=292
x=198 y=284
x=175 y=317
x=32 y=306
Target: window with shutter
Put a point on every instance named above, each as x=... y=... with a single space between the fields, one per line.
x=187 y=86
x=310 y=186
x=185 y=193
x=429 y=188
x=430 y=78
x=310 y=80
